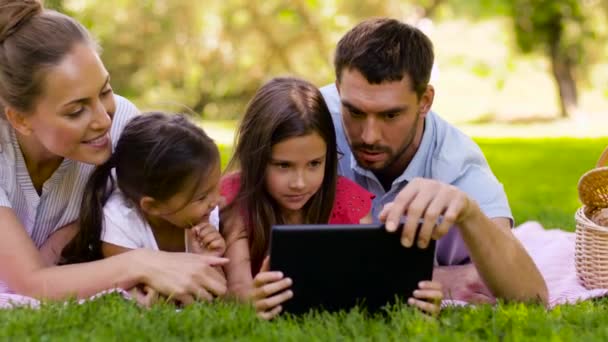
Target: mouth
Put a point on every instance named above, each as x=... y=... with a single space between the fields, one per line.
x=98 y=142
x=371 y=156
x=295 y=198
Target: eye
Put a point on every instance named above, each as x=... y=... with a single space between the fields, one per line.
x=106 y=92
x=75 y=114
x=391 y=116
x=282 y=165
x=315 y=163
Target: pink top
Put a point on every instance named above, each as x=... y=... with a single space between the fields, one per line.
x=351 y=204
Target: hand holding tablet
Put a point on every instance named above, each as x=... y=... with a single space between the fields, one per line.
x=336 y=267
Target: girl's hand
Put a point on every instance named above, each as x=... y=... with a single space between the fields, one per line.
x=207 y=240
x=144 y=295
x=427 y=297
x=270 y=289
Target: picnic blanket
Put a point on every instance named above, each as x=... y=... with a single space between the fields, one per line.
x=553 y=252
x=551 y=249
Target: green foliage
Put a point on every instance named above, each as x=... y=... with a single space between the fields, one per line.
x=573 y=25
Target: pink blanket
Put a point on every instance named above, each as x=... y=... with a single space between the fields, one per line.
x=10 y=300
x=552 y=250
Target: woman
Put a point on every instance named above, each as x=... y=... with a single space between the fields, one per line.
x=60 y=118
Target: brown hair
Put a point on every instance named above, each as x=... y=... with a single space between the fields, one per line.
x=157 y=155
x=282 y=108
x=384 y=49
x=32 y=39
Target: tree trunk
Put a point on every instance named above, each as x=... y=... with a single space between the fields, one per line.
x=562 y=68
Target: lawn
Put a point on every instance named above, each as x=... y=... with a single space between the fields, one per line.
x=540 y=177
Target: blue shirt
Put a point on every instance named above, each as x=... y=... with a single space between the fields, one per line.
x=445 y=154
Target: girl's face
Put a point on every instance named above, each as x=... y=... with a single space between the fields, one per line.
x=72 y=119
x=296 y=171
x=185 y=210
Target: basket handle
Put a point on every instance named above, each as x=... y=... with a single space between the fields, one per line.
x=603 y=159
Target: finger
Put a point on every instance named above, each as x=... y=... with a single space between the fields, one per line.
x=267 y=277
x=213 y=260
x=185 y=299
x=414 y=213
x=449 y=219
x=385 y=211
x=216 y=244
x=430 y=308
x=265 y=265
x=429 y=295
x=272 y=288
x=268 y=315
x=271 y=302
x=214 y=282
x=209 y=238
x=430 y=285
x=203 y=295
x=399 y=206
x=431 y=215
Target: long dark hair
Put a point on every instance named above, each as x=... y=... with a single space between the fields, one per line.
x=282 y=108
x=156 y=155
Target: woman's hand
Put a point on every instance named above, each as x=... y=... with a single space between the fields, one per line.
x=270 y=289
x=184 y=277
x=427 y=297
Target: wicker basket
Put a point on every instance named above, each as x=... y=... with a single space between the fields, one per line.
x=591 y=248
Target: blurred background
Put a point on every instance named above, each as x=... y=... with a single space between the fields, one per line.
x=503 y=67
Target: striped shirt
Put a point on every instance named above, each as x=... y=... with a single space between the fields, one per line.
x=59 y=203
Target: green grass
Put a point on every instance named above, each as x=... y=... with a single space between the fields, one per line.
x=540 y=177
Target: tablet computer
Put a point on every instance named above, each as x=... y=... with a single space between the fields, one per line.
x=336 y=267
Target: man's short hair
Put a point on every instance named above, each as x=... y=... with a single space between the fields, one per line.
x=384 y=49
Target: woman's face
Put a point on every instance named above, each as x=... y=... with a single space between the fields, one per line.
x=73 y=116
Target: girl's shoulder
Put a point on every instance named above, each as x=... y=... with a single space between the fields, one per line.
x=352 y=202
x=229 y=186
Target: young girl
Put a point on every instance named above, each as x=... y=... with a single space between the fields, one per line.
x=286 y=154
x=166 y=191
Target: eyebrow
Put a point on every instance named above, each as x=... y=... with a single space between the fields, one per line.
x=388 y=111
x=280 y=161
x=84 y=99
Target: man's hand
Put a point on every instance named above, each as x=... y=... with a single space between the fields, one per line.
x=439 y=205
x=463 y=283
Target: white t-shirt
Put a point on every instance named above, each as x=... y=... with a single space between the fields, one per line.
x=124 y=226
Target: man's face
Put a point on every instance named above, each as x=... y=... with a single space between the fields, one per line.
x=383 y=122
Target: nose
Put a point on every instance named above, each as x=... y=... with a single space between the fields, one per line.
x=297 y=181
x=370 y=134
x=101 y=119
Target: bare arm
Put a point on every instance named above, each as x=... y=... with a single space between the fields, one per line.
x=238 y=269
x=502 y=262
x=23 y=268
x=109 y=250
x=51 y=249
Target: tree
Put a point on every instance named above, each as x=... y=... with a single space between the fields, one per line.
x=561 y=30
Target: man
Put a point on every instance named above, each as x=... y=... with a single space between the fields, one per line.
x=420 y=166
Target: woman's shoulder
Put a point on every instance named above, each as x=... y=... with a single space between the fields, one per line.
x=125 y=111
x=352 y=202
